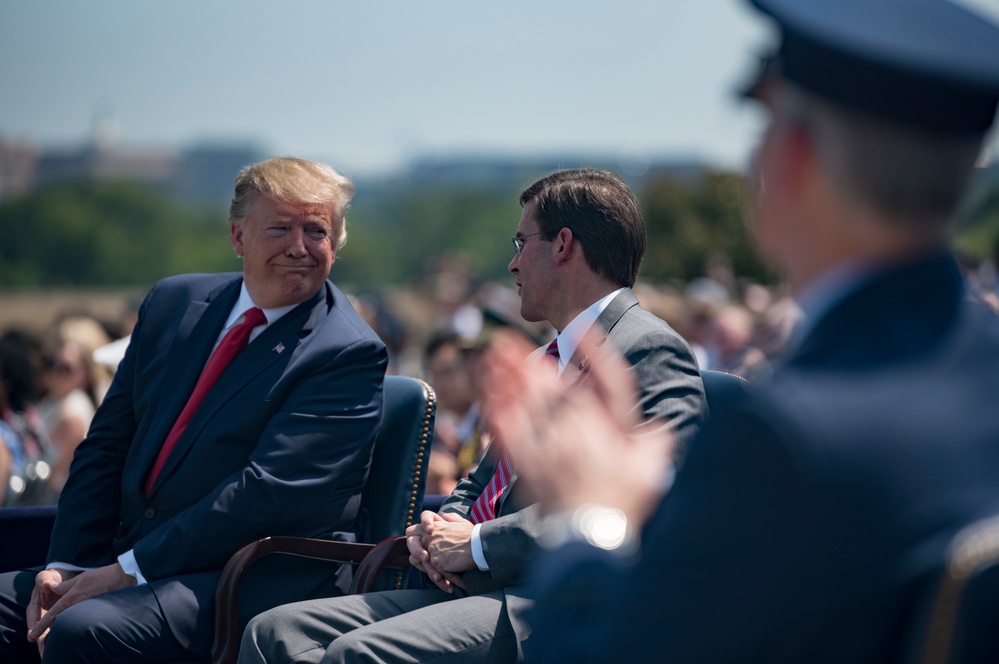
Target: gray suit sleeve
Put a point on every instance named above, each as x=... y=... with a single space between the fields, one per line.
x=669 y=382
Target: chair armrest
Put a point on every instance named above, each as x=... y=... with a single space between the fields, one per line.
x=227 y=636
x=391 y=552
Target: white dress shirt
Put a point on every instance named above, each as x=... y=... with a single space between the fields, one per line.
x=567 y=341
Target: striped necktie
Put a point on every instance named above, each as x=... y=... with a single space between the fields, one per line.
x=484 y=508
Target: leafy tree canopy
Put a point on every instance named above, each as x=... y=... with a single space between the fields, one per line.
x=104 y=234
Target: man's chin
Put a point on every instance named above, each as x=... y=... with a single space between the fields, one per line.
x=293 y=291
x=530 y=316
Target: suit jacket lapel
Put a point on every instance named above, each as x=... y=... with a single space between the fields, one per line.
x=276 y=342
x=200 y=325
x=613 y=312
x=607 y=319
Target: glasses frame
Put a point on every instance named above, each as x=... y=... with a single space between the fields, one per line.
x=518 y=241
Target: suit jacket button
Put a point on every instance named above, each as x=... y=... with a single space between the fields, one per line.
x=149 y=513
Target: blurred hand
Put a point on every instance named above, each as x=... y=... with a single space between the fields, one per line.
x=580 y=443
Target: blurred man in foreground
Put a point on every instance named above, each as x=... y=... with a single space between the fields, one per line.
x=811 y=515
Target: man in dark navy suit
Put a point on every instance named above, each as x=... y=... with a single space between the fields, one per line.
x=179 y=471
x=813 y=512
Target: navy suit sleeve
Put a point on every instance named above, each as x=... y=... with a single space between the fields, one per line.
x=726 y=569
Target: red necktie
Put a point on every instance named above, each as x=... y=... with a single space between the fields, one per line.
x=551 y=354
x=484 y=508
x=232 y=343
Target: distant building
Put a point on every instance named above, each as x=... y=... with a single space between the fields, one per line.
x=17 y=168
x=100 y=163
x=207 y=172
x=201 y=174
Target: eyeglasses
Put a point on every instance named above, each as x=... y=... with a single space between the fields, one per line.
x=518 y=242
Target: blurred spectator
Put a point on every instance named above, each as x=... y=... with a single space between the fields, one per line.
x=459 y=440
x=11 y=454
x=704 y=296
x=389 y=327
x=776 y=326
x=110 y=355
x=90 y=335
x=71 y=397
x=73 y=386
x=732 y=339
x=25 y=465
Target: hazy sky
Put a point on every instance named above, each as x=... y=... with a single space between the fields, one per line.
x=367 y=85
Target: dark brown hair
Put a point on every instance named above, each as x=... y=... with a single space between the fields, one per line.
x=602 y=213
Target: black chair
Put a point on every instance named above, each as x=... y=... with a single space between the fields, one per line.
x=963 y=621
x=392 y=496
x=720 y=387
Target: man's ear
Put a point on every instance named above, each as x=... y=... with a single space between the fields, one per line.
x=565 y=244
x=236 y=235
x=800 y=156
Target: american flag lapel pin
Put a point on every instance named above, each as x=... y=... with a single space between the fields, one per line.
x=279 y=348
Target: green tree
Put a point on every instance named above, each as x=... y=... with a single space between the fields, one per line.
x=978 y=237
x=112 y=233
x=690 y=224
x=397 y=238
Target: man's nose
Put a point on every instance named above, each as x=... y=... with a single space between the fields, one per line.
x=296 y=243
x=514 y=265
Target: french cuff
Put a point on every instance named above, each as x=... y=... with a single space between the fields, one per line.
x=477 y=555
x=130 y=567
x=603 y=527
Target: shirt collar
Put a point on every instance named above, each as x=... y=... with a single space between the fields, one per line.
x=569 y=338
x=246 y=302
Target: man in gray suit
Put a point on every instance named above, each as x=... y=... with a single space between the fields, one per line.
x=578 y=248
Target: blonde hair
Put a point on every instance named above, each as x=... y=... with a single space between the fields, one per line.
x=292 y=180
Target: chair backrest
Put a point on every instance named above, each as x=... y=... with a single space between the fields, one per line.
x=963 y=624
x=720 y=386
x=393 y=491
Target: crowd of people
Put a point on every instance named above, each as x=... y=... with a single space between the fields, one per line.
x=595 y=508
x=49 y=398
x=50 y=387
